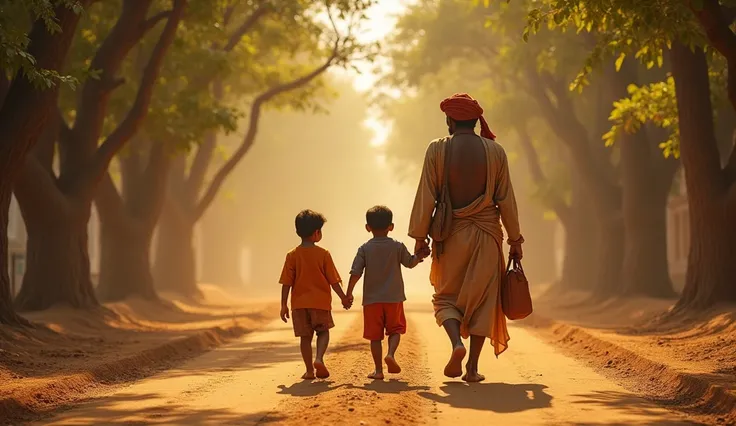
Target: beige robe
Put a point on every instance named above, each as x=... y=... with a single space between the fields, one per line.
x=466 y=277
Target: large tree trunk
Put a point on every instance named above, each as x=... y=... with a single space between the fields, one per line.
x=711 y=272
x=175 y=266
x=646 y=184
x=127 y=222
x=222 y=247
x=125 y=262
x=581 y=242
x=22 y=116
x=57 y=263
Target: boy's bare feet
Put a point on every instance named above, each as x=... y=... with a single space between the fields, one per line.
x=322 y=372
x=454 y=367
x=393 y=366
x=376 y=375
x=309 y=375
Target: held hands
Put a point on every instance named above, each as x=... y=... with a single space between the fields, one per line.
x=421 y=248
x=347 y=301
x=284 y=313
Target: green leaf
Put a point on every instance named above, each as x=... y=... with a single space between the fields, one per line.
x=620 y=61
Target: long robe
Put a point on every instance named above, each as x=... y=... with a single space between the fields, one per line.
x=466 y=277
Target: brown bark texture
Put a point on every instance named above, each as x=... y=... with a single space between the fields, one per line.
x=127 y=223
x=711 y=270
x=60 y=208
x=23 y=114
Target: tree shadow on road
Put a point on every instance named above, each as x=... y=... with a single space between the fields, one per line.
x=496 y=397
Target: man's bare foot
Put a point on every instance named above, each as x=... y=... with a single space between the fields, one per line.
x=473 y=377
x=454 y=367
x=393 y=366
x=309 y=375
x=322 y=372
x=376 y=375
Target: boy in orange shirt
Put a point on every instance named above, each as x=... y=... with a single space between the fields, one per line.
x=308 y=274
x=383 y=287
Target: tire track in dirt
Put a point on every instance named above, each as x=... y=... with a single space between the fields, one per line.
x=349 y=397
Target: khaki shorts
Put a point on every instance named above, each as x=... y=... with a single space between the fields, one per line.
x=308 y=321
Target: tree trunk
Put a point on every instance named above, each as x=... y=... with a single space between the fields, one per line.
x=58 y=269
x=175 y=266
x=125 y=262
x=646 y=184
x=711 y=271
x=581 y=241
x=222 y=249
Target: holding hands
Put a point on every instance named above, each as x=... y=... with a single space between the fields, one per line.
x=347 y=301
x=421 y=248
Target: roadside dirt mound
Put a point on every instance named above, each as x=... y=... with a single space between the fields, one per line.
x=685 y=361
x=70 y=353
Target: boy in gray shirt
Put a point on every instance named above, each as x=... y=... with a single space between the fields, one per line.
x=383 y=287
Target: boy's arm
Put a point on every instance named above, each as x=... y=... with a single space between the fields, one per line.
x=288 y=275
x=407 y=259
x=285 y=289
x=346 y=302
x=351 y=284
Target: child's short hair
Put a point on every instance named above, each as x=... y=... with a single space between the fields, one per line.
x=308 y=222
x=379 y=217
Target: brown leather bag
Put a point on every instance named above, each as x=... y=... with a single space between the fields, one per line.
x=516 y=301
x=441 y=224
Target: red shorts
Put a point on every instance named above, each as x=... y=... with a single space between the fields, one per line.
x=383 y=317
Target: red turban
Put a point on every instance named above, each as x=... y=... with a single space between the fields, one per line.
x=462 y=107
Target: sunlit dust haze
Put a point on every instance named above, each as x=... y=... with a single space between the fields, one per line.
x=328 y=162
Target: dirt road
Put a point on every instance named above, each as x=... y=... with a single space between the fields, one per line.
x=256 y=380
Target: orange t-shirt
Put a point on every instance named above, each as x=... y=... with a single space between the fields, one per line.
x=310 y=272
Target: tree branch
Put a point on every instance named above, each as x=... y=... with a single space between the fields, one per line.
x=246 y=26
x=562 y=210
x=198 y=170
x=561 y=118
x=150 y=199
x=139 y=110
x=717 y=25
x=255 y=113
x=151 y=22
x=109 y=203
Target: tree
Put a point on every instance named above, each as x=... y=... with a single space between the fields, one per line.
x=540 y=69
x=56 y=209
x=252 y=43
x=648 y=29
x=27 y=100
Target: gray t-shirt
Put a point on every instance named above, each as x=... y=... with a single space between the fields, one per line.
x=381 y=258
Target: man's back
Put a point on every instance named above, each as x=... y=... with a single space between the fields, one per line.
x=468 y=169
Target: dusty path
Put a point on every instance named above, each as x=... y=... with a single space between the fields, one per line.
x=256 y=380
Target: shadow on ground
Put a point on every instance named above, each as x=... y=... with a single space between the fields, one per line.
x=496 y=397
x=116 y=410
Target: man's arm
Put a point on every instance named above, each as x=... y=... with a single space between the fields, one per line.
x=506 y=201
x=424 y=201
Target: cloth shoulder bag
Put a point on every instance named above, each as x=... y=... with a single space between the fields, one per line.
x=441 y=224
x=516 y=301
